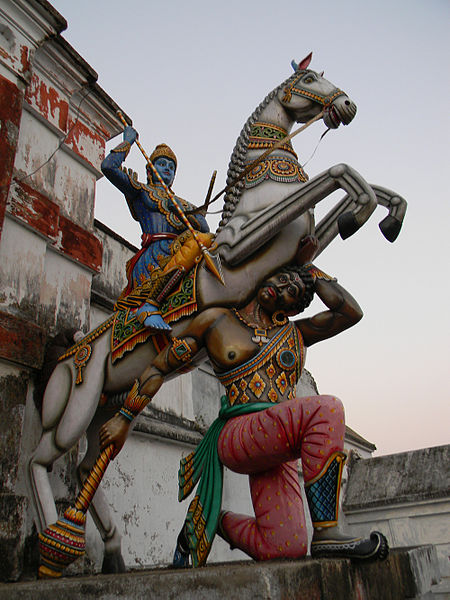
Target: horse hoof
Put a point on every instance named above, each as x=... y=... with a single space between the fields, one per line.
x=390 y=227
x=113 y=563
x=347 y=225
x=373 y=548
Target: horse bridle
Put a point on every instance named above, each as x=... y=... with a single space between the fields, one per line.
x=297 y=89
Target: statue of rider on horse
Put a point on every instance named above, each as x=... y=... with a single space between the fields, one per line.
x=268 y=214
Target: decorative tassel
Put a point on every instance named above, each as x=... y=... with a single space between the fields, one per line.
x=80 y=360
x=79 y=378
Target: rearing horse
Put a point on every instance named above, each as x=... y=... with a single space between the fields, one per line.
x=266 y=214
x=256 y=201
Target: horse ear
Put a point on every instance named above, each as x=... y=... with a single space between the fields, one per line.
x=294 y=65
x=305 y=62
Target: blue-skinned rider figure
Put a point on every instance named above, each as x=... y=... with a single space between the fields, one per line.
x=150 y=205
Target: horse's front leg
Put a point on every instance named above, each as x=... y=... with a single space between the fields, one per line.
x=391 y=224
x=252 y=233
x=328 y=228
x=363 y=199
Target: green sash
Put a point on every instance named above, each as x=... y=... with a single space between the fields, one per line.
x=203 y=464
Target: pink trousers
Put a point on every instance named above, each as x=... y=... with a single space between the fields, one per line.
x=266 y=446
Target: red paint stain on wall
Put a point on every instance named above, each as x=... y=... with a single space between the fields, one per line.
x=87 y=142
x=83 y=141
x=24 y=58
x=80 y=244
x=43 y=216
x=35 y=209
x=48 y=102
x=11 y=99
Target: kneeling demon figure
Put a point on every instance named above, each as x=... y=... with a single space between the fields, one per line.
x=263 y=429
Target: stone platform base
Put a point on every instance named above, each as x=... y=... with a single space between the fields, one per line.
x=408 y=573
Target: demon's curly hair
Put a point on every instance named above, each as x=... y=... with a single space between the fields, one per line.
x=307 y=279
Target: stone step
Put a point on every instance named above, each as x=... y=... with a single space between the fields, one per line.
x=441 y=591
x=407 y=573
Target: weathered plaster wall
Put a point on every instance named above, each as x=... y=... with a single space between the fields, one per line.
x=406 y=496
x=110 y=281
x=38 y=283
x=54 y=123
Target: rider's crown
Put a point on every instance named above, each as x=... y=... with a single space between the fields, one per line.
x=163 y=150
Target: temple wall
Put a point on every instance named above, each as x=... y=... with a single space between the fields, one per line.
x=54 y=124
x=406 y=496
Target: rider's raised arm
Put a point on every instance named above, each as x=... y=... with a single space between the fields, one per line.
x=343 y=312
x=111 y=165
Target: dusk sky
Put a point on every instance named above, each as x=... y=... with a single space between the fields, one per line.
x=190 y=74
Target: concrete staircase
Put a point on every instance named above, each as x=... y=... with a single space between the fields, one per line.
x=408 y=573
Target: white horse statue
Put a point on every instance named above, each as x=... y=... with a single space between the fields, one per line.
x=266 y=214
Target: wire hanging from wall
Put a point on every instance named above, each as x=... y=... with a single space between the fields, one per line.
x=61 y=142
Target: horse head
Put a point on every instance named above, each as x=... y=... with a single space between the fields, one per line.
x=299 y=98
x=307 y=92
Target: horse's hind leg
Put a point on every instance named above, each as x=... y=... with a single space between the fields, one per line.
x=66 y=413
x=56 y=397
x=99 y=508
x=41 y=494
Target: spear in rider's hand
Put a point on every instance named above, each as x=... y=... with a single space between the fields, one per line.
x=212 y=262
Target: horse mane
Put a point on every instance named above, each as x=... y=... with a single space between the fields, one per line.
x=238 y=156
